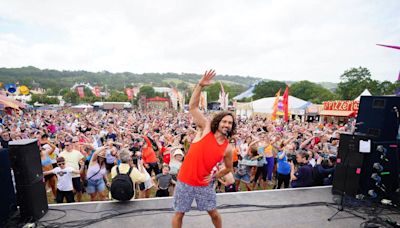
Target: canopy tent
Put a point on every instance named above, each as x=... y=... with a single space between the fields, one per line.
x=11 y=103
x=364 y=93
x=264 y=105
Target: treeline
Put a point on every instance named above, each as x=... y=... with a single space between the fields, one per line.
x=57 y=80
x=353 y=82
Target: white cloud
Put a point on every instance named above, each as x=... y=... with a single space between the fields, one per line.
x=283 y=40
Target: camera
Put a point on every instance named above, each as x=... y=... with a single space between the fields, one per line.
x=292 y=158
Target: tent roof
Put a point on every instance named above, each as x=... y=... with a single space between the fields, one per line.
x=364 y=93
x=9 y=102
x=264 y=105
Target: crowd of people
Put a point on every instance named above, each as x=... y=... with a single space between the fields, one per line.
x=81 y=153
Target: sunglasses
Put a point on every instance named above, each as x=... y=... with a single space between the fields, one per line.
x=61 y=163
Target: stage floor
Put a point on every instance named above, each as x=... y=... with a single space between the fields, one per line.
x=157 y=212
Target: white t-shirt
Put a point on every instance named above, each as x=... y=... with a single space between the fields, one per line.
x=72 y=159
x=64 y=177
x=243 y=149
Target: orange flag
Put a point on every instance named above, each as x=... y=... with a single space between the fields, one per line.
x=275 y=106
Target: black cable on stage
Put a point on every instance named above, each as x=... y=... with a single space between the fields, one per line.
x=87 y=222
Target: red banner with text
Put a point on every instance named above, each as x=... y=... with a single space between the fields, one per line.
x=341 y=105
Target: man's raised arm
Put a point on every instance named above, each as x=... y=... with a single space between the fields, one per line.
x=198 y=117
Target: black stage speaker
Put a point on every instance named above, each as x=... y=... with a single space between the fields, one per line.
x=8 y=204
x=349 y=165
x=27 y=167
x=32 y=200
x=25 y=161
x=378 y=117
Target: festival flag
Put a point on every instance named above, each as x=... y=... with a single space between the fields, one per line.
x=275 y=105
x=129 y=93
x=96 y=91
x=286 y=105
x=223 y=98
x=389 y=46
x=203 y=101
x=81 y=91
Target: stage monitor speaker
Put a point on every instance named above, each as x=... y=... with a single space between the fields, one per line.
x=378 y=117
x=31 y=191
x=8 y=204
x=25 y=161
x=32 y=200
x=349 y=165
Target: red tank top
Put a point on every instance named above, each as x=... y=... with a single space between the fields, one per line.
x=201 y=159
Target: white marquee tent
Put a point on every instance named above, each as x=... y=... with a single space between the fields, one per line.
x=264 y=105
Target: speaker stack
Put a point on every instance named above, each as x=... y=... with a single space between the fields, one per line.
x=374 y=173
x=8 y=204
x=31 y=192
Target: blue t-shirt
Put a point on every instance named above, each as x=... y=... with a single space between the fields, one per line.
x=283 y=165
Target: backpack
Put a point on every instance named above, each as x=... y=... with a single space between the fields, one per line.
x=122 y=186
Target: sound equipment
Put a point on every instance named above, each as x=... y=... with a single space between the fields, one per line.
x=381 y=168
x=25 y=161
x=31 y=191
x=349 y=165
x=375 y=173
x=378 y=117
x=8 y=204
x=32 y=200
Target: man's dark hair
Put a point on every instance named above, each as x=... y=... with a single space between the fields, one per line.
x=217 y=119
x=45 y=136
x=303 y=154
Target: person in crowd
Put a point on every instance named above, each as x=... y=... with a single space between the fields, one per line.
x=324 y=170
x=45 y=152
x=72 y=159
x=164 y=180
x=138 y=172
x=5 y=139
x=96 y=175
x=64 y=183
x=283 y=169
x=302 y=174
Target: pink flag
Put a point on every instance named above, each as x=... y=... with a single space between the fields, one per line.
x=81 y=91
x=129 y=93
x=96 y=91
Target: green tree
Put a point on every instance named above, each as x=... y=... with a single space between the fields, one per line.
x=71 y=97
x=147 y=91
x=388 y=88
x=182 y=86
x=268 y=89
x=354 y=81
x=117 y=96
x=43 y=99
x=214 y=89
x=310 y=91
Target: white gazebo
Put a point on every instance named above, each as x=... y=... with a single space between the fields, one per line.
x=364 y=93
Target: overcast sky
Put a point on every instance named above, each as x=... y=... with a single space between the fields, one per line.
x=282 y=40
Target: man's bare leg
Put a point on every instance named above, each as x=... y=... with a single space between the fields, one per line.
x=177 y=220
x=216 y=218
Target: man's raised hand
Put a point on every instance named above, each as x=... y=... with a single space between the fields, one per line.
x=207 y=77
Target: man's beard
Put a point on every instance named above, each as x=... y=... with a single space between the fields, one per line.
x=227 y=133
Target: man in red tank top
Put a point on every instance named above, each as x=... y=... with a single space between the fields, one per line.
x=209 y=148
